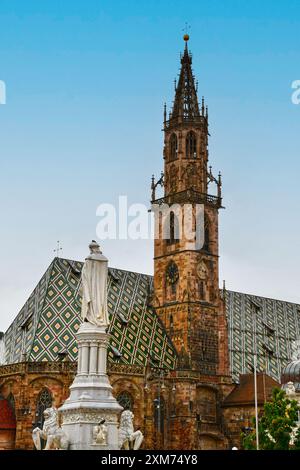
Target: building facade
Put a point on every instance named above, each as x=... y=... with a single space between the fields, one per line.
x=178 y=343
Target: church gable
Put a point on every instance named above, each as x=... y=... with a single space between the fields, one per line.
x=135 y=329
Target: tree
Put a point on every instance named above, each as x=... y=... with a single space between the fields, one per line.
x=276 y=425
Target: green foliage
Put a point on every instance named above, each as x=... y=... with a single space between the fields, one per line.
x=275 y=425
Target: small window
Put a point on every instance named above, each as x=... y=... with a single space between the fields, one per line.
x=191 y=145
x=174 y=229
x=44 y=401
x=206 y=238
x=173 y=147
x=201 y=290
x=125 y=399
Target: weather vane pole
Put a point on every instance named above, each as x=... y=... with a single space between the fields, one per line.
x=58 y=248
x=186 y=36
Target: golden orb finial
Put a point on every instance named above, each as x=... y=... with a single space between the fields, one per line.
x=186 y=37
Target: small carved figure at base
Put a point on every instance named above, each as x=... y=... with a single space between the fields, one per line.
x=290 y=389
x=128 y=438
x=100 y=433
x=55 y=437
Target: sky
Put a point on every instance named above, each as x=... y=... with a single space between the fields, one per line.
x=85 y=85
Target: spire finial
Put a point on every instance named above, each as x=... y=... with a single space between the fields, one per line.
x=186 y=36
x=186 y=106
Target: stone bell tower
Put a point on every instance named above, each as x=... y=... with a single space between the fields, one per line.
x=186 y=266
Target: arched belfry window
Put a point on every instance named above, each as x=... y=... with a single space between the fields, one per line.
x=125 y=399
x=206 y=237
x=173 y=147
x=174 y=229
x=191 y=145
x=44 y=401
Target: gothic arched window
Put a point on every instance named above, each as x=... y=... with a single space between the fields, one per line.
x=173 y=147
x=206 y=237
x=174 y=229
x=191 y=145
x=44 y=401
x=125 y=399
x=11 y=401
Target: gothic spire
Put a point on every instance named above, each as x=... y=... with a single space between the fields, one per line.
x=185 y=107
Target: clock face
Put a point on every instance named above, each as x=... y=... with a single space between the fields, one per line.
x=202 y=270
x=172 y=273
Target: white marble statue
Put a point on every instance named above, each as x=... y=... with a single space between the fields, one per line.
x=128 y=438
x=290 y=389
x=94 y=287
x=55 y=437
x=100 y=433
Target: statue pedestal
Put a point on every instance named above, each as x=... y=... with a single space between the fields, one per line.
x=91 y=398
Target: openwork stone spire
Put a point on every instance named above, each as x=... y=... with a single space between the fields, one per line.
x=185 y=106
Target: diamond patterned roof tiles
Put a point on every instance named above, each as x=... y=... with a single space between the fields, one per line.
x=48 y=322
x=54 y=308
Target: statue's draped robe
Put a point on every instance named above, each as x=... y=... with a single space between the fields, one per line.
x=94 y=292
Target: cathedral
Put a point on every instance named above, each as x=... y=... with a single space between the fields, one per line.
x=181 y=349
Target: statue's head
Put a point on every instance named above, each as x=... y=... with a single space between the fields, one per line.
x=49 y=413
x=94 y=247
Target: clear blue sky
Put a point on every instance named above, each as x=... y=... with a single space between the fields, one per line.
x=86 y=82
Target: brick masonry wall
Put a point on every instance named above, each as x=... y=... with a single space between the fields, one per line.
x=26 y=388
x=193 y=414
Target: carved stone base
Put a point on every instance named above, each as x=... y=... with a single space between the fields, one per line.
x=79 y=423
x=91 y=398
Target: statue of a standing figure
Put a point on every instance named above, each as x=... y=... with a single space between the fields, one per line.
x=100 y=433
x=94 y=287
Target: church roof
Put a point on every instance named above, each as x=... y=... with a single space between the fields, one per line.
x=46 y=326
x=185 y=107
x=244 y=392
x=266 y=326
x=186 y=101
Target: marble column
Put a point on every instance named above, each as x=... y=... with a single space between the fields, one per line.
x=91 y=398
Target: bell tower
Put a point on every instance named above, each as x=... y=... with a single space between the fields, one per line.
x=186 y=248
